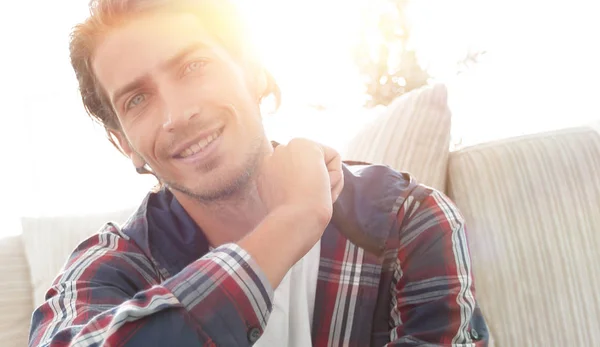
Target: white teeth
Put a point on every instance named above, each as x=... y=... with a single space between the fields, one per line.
x=197 y=147
x=187 y=153
x=202 y=143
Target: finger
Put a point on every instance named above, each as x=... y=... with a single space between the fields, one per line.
x=333 y=160
x=336 y=188
x=335 y=192
x=335 y=177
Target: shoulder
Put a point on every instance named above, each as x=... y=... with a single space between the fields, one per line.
x=381 y=182
x=384 y=187
x=384 y=200
x=369 y=201
x=378 y=182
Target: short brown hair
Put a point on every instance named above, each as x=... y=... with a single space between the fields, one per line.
x=220 y=17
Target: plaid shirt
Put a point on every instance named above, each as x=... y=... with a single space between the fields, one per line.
x=154 y=281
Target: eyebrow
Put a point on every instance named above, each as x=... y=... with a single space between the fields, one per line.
x=168 y=64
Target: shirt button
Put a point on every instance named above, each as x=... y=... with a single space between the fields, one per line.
x=474 y=334
x=253 y=335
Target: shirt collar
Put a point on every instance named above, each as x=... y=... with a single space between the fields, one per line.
x=166 y=233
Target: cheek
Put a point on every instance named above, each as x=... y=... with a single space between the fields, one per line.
x=143 y=138
x=227 y=79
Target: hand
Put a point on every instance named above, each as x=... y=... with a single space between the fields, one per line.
x=298 y=184
x=304 y=175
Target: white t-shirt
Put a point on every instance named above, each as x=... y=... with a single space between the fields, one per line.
x=290 y=323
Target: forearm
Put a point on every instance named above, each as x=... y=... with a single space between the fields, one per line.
x=282 y=239
x=151 y=318
x=216 y=299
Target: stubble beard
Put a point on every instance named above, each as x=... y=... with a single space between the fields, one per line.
x=230 y=188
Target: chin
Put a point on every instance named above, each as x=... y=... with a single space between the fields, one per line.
x=216 y=186
x=224 y=176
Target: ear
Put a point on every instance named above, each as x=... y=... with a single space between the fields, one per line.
x=126 y=148
x=261 y=82
x=258 y=80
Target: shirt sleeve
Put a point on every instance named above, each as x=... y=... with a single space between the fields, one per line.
x=433 y=292
x=110 y=295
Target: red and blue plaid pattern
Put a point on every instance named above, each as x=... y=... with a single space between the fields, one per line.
x=155 y=283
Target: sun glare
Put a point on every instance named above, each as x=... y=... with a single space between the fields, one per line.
x=306 y=46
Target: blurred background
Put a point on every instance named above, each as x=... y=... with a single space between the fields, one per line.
x=511 y=68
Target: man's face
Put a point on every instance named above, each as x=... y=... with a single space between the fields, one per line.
x=186 y=106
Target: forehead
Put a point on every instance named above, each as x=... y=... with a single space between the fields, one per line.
x=142 y=44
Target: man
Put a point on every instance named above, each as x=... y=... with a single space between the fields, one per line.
x=243 y=244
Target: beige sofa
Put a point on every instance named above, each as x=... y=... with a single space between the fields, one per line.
x=532 y=205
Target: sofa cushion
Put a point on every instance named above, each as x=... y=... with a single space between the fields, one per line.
x=49 y=241
x=413 y=135
x=15 y=301
x=533 y=215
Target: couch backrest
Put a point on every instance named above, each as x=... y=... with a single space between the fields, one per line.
x=412 y=135
x=29 y=263
x=16 y=302
x=532 y=206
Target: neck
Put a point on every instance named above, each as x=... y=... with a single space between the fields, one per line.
x=230 y=219
x=227 y=220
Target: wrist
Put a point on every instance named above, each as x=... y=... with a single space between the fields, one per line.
x=283 y=237
x=308 y=217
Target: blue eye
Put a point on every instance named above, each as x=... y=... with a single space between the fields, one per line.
x=136 y=100
x=193 y=66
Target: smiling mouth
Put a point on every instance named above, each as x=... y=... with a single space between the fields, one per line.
x=200 y=145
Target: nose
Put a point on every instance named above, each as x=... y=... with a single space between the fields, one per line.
x=178 y=112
